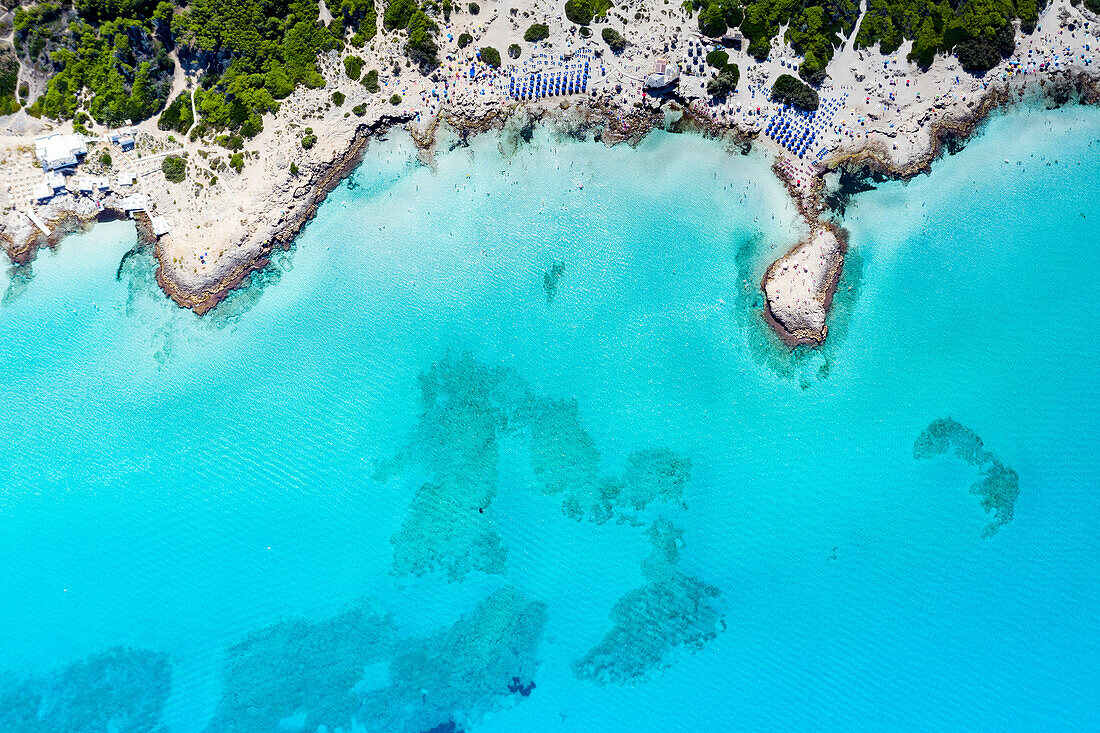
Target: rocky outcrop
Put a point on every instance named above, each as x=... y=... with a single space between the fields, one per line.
x=202 y=295
x=799 y=286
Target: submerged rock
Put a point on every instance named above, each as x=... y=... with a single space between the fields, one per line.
x=999 y=485
x=467 y=408
x=799 y=286
x=671 y=611
x=122 y=690
x=352 y=672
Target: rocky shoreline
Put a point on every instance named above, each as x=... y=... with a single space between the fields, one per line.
x=310 y=196
x=797 y=313
x=950 y=134
x=798 y=323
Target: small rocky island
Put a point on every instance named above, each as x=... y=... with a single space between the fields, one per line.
x=799 y=287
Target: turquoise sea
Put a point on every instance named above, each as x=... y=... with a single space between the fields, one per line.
x=505 y=446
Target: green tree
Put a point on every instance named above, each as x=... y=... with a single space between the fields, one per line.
x=370 y=81
x=353 y=67
x=725 y=82
x=790 y=90
x=490 y=56
x=537 y=32
x=614 y=40
x=174 y=168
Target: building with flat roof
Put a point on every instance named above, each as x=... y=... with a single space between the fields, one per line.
x=665 y=76
x=57 y=152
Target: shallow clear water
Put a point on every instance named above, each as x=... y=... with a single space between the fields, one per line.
x=178 y=485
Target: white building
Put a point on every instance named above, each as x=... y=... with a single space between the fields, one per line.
x=135 y=202
x=93 y=184
x=57 y=151
x=122 y=137
x=41 y=193
x=666 y=75
x=56 y=182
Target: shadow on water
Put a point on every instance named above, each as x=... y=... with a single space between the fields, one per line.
x=19 y=279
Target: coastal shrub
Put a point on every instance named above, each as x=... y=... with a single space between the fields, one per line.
x=252 y=64
x=447 y=7
x=9 y=76
x=537 y=32
x=464 y=40
x=360 y=15
x=614 y=40
x=174 y=167
x=585 y=32
x=726 y=81
x=491 y=56
x=230 y=142
x=353 y=67
x=308 y=139
x=789 y=90
x=370 y=81
x=718 y=59
x=294 y=169
x=981 y=33
x=982 y=53
x=105 y=159
x=395 y=100
x=24 y=90
x=236 y=162
x=582 y=12
x=359 y=110
x=711 y=21
x=474 y=8
x=338 y=99
x=177 y=115
x=514 y=51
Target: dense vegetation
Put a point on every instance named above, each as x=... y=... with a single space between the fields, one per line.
x=537 y=32
x=979 y=31
x=789 y=90
x=38 y=30
x=514 y=51
x=177 y=115
x=582 y=12
x=358 y=14
x=9 y=76
x=128 y=70
x=718 y=16
x=407 y=15
x=259 y=52
x=614 y=40
x=725 y=82
x=174 y=167
x=491 y=56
